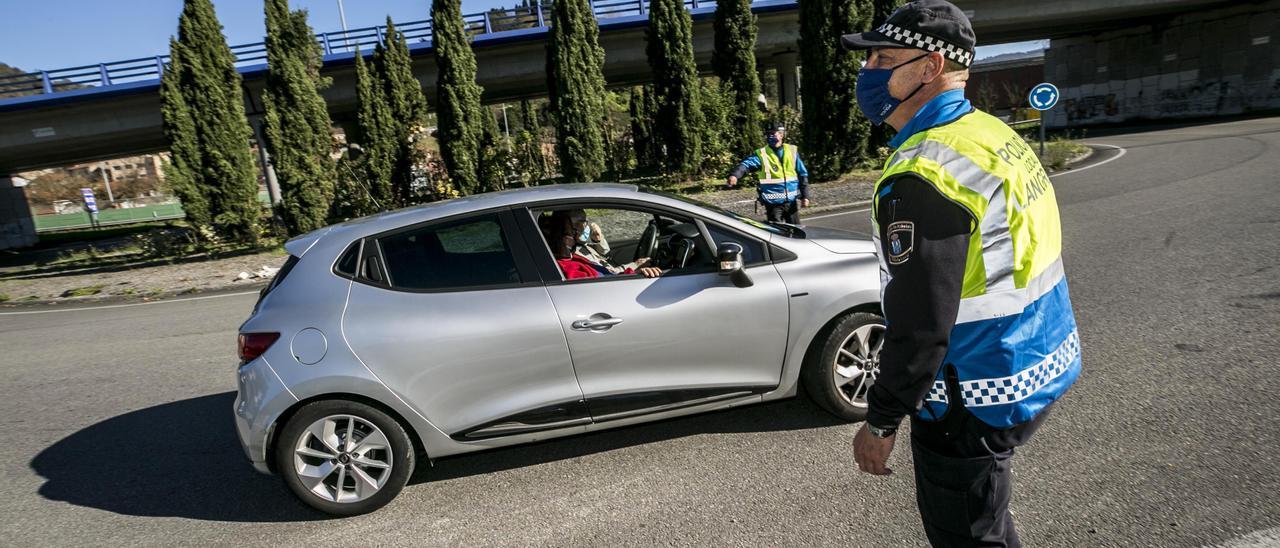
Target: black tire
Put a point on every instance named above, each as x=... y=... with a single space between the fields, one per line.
x=818 y=373
x=402 y=458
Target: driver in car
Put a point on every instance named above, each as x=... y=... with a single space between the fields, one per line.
x=563 y=233
x=591 y=244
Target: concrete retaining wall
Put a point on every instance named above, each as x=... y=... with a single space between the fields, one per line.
x=1212 y=62
x=17 y=228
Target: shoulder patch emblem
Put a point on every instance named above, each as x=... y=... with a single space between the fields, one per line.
x=901 y=239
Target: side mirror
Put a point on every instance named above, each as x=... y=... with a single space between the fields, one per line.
x=729 y=256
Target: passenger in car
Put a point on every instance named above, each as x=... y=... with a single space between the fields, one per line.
x=562 y=239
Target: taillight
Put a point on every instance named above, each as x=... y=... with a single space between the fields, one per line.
x=253 y=345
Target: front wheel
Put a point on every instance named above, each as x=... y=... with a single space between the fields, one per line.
x=840 y=373
x=344 y=458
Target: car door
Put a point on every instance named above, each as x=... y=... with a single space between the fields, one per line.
x=643 y=345
x=453 y=318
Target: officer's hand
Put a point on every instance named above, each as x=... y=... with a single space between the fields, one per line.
x=804 y=202
x=871 y=453
x=732 y=181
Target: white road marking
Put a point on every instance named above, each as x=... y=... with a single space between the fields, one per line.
x=1108 y=160
x=1265 y=538
x=128 y=305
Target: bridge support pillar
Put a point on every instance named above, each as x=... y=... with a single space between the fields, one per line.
x=268 y=169
x=788 y=80
x=17 y=228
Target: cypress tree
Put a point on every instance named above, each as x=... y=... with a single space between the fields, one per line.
x=642 y=131
x=407 y=106
x=297 y=119
x=734 y=61
x=530 y=162
x=575 y=83
x=669 y=38
x=717 y=133
x=180 y=130
x=492 y=153
x=835 y=132
x=460 y=117
x=215 y=158
x=375 y=133
x=529 y=120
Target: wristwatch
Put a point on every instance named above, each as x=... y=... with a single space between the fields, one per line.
x=881 y=432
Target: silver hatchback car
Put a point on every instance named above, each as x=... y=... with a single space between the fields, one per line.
x=517 y=316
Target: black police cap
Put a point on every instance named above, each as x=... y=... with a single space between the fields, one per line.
x=930 y=25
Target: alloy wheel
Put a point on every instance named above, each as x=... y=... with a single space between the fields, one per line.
x=343 y=458
x=857 y=364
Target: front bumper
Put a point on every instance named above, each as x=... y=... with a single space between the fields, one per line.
x=260 y=399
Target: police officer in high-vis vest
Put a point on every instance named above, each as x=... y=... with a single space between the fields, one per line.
x=980 y=337
x=784 y=181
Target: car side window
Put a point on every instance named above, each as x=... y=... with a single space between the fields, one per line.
x=752 y=249
x=471 y=253
x=619 y=241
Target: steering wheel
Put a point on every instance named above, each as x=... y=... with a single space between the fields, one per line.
x=648 y=244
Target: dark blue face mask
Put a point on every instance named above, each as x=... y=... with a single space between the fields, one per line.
x=772 y=140
x=873 y=91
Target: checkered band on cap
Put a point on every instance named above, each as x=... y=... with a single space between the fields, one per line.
x=1014 y=388
x=928 y=43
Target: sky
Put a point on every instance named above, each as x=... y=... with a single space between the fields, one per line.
x=51 y=34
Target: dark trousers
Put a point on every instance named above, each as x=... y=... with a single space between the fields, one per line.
x=788 y=212
x=963 y=476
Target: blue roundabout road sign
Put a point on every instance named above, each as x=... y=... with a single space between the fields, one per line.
x=1043 y=96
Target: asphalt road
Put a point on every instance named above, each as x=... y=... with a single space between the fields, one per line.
x=117 y=421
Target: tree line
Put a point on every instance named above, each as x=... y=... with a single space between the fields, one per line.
x=682 y=125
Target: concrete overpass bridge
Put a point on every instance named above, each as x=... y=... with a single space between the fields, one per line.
x=113 y=109
x=1160 y=48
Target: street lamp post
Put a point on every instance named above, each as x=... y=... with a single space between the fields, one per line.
x=342 y=16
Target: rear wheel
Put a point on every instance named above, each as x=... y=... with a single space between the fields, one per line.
x=344 y=458
x=840 y=373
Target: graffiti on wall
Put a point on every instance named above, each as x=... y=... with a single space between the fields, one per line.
x=1199 y=98
x=1093 y=106
x=1224 y=96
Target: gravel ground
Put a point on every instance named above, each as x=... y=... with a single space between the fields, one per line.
x=134 y=283
x=851 y=189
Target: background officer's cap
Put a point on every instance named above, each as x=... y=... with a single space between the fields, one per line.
x=930 y=25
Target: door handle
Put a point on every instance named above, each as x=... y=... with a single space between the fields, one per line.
x=599 y=324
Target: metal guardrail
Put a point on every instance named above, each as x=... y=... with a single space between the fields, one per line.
x=498 y=20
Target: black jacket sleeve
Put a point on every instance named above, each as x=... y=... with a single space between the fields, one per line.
x=922 y=298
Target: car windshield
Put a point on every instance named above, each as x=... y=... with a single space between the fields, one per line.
x=781 y=229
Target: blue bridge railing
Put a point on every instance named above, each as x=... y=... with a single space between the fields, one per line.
x=499 y=20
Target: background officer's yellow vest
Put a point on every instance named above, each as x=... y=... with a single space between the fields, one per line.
x=1014 y=347
x=779 y=182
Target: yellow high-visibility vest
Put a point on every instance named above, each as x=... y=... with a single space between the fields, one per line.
x=1015 y=346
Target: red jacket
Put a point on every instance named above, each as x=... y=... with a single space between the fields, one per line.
x=578 y=266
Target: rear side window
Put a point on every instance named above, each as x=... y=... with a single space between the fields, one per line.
x=347 y=263
x=277 y=280
x=461 y=254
